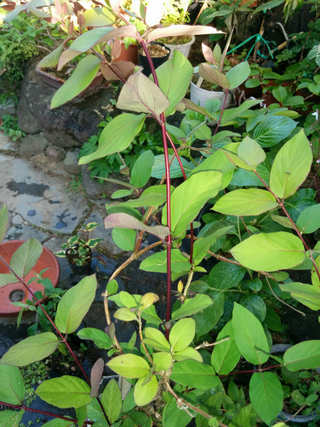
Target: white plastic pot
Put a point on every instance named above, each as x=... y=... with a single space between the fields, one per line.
x=200 y=96
x=183 y=48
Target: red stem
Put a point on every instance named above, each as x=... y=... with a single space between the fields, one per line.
x=168 y=189
x=38 y=411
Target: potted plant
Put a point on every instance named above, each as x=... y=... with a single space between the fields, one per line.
x=215 y=77
x=176 y=13
x=79 y=251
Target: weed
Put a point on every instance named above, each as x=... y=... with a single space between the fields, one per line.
x=11 y=127
x=75 y=184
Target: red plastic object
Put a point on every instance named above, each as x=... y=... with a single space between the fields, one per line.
x=17 y=291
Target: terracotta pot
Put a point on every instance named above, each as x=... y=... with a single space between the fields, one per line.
x=16 y=291
x=254 y=4
x=129 y=54
x=56 y=82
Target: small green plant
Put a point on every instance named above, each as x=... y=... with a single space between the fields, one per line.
x=33 y=375
x=75 y=184
x=11 y=127
x=77 y=250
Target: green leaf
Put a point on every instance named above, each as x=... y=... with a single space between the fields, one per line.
x=158 y=262
x=142 y=95
x=94 y=411
x=111 y=141
x=112 y=287
x=194 y=375
x=226 y=355
x=156 y=339
x=152 y=196
x=187 y=353
x=174 y=78
x=129 y=366
x=31 y=350
x=98 y=17
x=162 y=361
x=111 y=400
x=4 y=220
x=270 y=5
x=238 y=74
x=192 y=306
x=266 y=396
x=306 y=294
x=291 y=166
x=10 y=418
x=209 y=317
x=249 y=335
x=158 y=169
x=273 y=129
x=283 y=220
x=142 y=168
x=100 y=338
x=173 y=416
x=273 y=320
x=203 y=244
x=125 y=314
x=277 y=251
x=189 y=197
x=26 y=257
x=52 y=59
x=145 y=393
x=255 y=304
x=305 y=355
x=246 y=417
x=75 y=304
x=218 y=161
x=182 y=334
x=124 y=238
x=251 y=152
x=225 y=275
x=59 y=423
x=81 y=414
x=80 y=79
x=101 y=35
x=12 y=387
x=65 y=392
x=232 y=113
x=122 y=220
x=246 y=202
x=309 y=219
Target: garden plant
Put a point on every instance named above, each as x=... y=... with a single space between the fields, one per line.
x=257 y=227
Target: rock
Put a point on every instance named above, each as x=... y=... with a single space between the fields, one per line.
x=25 y=232
x=41 y=197
x=94 y=189
x=107 y=246
x=71 y=161
x=67 y=126
x=17 y=220
x=55 y=154
x=32 y=145
x=6 y=144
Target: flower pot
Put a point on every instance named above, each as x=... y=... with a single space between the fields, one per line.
x=57 y=82
x=182 y=48
x=16 y=291
x=130 y=54
x=157 y=61
x=200 y=96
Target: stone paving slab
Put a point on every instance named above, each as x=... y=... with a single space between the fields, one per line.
x=40 y=197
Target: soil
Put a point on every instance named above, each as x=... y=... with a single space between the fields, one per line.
x=176 y=40
x=207 y=85
x=155 y=50
x=62 y=74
